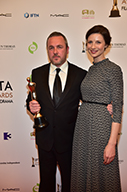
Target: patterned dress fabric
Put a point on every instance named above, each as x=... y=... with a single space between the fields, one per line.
x=103 y=83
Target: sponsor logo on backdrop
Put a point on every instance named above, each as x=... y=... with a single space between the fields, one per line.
x=5 y=15
x=27 y=15
x=6 y=92
x=7 y=135
x=59 y=15
x=124 y=5
x=11 y=189
x=7 y=47
x=88 y=14
x=121 y=161
x=33 y=47
x=10 y=163
x=117 y=45
x=35 y=162
x=36 y=188
x=32 y=135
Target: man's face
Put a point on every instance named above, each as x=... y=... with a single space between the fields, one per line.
x=57 y=50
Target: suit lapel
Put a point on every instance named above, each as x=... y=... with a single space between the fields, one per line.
x=45 y=79
x=69 y=82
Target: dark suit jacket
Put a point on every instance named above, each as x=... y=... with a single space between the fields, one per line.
x=61 y=118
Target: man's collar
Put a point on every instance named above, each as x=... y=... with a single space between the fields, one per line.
x=63 y=67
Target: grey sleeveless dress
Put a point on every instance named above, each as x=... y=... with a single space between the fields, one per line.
x=103 y=83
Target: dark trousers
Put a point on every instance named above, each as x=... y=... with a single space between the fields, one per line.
x=48 y=164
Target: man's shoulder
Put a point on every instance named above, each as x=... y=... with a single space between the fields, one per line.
x=76 y=68
x=41 y=68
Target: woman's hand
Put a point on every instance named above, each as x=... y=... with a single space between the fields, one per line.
x=109 y=153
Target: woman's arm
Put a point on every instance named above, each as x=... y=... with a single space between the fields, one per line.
x=109 y=152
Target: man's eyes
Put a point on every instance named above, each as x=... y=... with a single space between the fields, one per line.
x=58 y=47
x=50 y=47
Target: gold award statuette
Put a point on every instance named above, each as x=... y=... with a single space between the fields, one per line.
x=39 y=120
x=114 y=11
x=83 y=45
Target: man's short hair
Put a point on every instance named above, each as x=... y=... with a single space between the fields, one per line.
x=56 y=34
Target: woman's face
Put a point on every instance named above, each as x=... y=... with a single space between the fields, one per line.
x=96 y=46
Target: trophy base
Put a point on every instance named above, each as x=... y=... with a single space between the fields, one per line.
x=40 y=122
x=115 y=13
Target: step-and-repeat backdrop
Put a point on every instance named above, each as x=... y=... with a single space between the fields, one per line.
x=24 y=27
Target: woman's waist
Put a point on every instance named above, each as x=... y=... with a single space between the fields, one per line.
x=95 y=102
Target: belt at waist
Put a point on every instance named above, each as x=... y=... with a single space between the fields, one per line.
x=94 y=102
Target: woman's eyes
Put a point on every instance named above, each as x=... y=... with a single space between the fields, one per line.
x=98 y=42
x=90 y=42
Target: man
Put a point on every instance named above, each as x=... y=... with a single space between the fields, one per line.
x=55 y=141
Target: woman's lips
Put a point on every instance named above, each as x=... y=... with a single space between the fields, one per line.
x=93 y=51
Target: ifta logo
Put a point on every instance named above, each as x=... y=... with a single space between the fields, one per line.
x=124 y=1
x=114 y=11
x=6 y=92
x=124 y=5
x=33 y=47
x=35 y=162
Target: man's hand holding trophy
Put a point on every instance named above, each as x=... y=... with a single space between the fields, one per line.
x=39 y=120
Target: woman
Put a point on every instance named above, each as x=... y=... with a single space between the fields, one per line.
x=95 y=159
